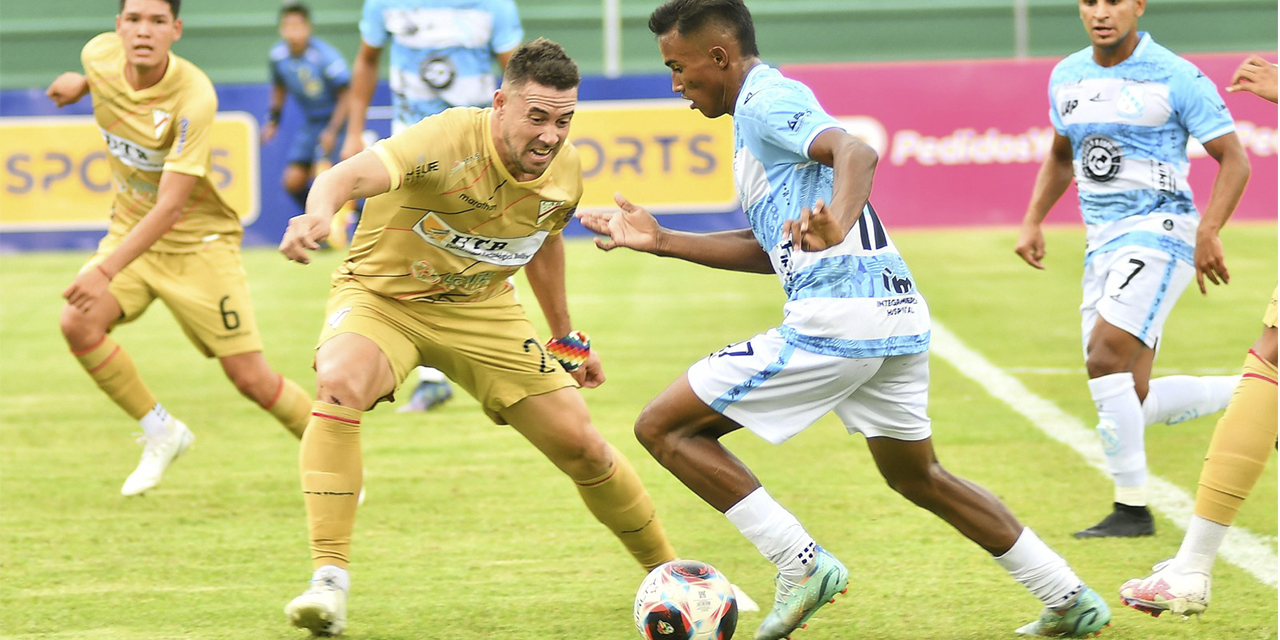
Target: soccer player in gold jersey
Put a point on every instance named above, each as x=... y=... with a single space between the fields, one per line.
x=457 y=204
x=1242 y=442
x=171 y=237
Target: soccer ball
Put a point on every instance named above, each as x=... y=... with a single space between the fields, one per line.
x=686 y=600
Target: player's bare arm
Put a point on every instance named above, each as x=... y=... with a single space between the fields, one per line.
x=1054 y=177
x=1257 y=76
x=362 y=176
x=824 y=224
x=364 y=78
x=269 y=129
x=545 y=272
x=635 y=228
x=91 y=284
x=1233 y=174
x=68 y=88
x=330 y=133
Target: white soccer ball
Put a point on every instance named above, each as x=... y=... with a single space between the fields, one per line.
x=686 y=600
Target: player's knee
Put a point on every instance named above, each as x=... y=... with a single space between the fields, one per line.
x=1103 y=361
x=652 y=432
x=78 y=331
x=295 y=182
x=922 y=486
x=338 y=386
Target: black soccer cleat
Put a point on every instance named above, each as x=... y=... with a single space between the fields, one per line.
x=1124 y=522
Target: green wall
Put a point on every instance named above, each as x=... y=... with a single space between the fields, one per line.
x=229 y=38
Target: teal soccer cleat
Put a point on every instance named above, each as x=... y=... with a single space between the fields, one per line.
x=795 y=602
x=1086 y=617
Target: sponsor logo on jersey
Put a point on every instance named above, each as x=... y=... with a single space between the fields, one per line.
x=458 y=282
x=459 y=165
x=545 y=207
x=134 y=154
x=1100 y=158
x=506 y=252
x=1132 y=103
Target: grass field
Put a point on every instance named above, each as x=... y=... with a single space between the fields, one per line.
x=469 y=533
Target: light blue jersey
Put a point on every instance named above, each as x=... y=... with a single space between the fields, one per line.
x=443 y=52
x=313 y=79
x=856 y=299
x=1128 y=125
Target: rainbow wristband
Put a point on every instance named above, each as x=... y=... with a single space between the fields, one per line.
x=571 y=351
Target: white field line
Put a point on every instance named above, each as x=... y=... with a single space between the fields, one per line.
x=1249 y=551
x=1161 y=371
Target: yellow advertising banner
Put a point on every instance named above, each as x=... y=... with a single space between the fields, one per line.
x=55 y=175
x=660 y=154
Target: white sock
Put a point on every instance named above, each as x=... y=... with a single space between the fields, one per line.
x=775 y=532
x=1200 y=546
x=1121 y=428
x=333 y=572
x=1174 y=399
x=1044 y=573
x=427 y=374
x=156 y=423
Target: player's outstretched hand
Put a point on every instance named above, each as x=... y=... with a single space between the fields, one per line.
x=1257 y=76
x=67 y=89
x=815 y=230
x=1030 y=245
x=591 y=374
x=632 y=227
x=87 y=288
x=303 y=234
x=1211 y=261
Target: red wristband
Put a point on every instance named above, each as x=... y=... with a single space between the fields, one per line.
x=103 y=272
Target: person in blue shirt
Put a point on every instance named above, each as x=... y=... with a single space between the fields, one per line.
x=444 y=53
x=316 y=76
x=854 y=339
x=1123 y=110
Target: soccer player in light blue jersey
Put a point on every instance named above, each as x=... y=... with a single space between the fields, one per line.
x=444 y=53
x=1123 y=110
x=316 y=76
x=854 y=339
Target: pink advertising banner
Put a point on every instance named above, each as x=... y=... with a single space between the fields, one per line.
x=960 y=142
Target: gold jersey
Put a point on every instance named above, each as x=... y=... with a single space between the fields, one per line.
x=455 y=224
x=165 y=127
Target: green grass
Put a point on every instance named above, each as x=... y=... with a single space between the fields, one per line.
x=469 y=533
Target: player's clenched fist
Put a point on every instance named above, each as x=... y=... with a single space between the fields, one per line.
x=67 y=89
x=303 y=234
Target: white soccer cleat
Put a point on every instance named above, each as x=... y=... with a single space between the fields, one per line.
x=156 y=457
x=745 y=603
x=321 y=609
x=1185 y=594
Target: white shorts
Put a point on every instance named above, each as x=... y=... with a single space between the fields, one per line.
x=777 y=390
x=1133 y=288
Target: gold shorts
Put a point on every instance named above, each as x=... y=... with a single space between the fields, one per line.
x=1269 y=318
x=206 y=291
x=488 y=348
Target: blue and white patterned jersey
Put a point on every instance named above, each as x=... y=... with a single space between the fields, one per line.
x=856 y=299
x=314 y=78
x=443 y=52
x=1128 y=125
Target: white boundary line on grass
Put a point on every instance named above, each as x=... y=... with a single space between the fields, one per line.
x=1246 y=550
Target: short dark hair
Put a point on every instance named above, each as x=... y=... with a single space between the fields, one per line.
x=174 y=5
x=688 y=16
x=543 y=62
x=295 y=7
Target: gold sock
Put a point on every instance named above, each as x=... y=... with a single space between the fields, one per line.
x=1242 y=442
x=111 y=367
x=619 y=501
x=291 y=406
x=332 y=472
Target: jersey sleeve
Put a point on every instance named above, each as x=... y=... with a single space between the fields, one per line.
x=789 y=119
x=414 y=157
x=193 y=132
x=1199 y=107
x=373 y=28
x=507 y=30
x=97 y=48
x=1053 y=113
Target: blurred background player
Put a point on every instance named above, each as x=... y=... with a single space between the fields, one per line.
x=854 y=341
x=443 y=54
x=1242 y=442
x=171 y=237
x=316 y=76
x=422 y=285
x=1123 y=109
